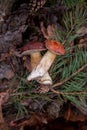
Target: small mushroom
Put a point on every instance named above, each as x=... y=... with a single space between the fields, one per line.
x=33 y=49
x=54 y=48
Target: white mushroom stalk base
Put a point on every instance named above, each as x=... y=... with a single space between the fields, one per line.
x=45 y=79
x=35 y=60
x=43 y=66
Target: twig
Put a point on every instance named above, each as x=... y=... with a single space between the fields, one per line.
x=68 y=78
x=19 y=94
x=69 y=93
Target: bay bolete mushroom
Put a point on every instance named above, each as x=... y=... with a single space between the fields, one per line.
x=54 y=48
x=33 y=49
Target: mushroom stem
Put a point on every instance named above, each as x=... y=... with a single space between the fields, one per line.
x=35 y=59
x=43 y=66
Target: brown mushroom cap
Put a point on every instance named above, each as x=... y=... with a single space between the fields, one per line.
x=55 y=47
x=31 y=47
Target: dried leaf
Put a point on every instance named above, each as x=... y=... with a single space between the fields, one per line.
x=34 y=120
x=3 y=98
x=6 y=72
x=72 y=114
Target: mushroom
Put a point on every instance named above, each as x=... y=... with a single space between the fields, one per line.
x=33 y=49
x=54 y=48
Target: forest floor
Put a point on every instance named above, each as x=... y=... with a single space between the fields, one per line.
x=30 y=105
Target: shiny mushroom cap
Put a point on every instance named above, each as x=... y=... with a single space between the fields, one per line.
x=32 y=47
x=55 y=47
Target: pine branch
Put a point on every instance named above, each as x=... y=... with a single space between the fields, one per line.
x=71 y=76
x=71 y=68
x=66 y=65
x=73 y=3
x=73 y=20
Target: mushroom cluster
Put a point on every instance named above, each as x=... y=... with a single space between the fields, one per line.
x=54 y=48
x=33 y=49
x=41 y=65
